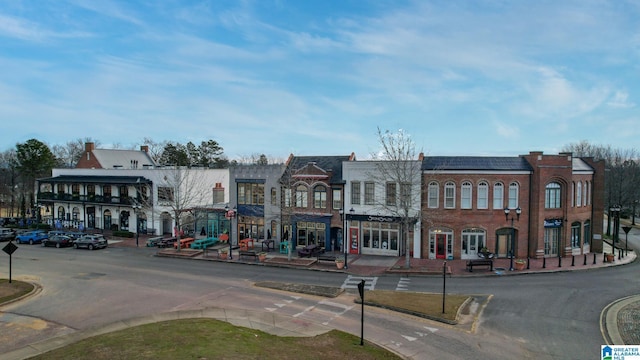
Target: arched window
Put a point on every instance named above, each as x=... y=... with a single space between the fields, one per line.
x=449 y=195
x=433 y=195
x=483 y=195
x=320 y=197
x=552 y=196
x=61 y=212
x=302 y=196
x=465 y=196
x=498 y=196
x=514 y=190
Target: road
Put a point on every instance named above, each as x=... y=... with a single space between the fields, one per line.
x=542 y=316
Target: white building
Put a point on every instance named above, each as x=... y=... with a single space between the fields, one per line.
x=379 y=207
x=143 y=200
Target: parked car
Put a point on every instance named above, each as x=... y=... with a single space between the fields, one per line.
x=7 y=234
x=31 y=237
x=91 y=242
x=58 y=241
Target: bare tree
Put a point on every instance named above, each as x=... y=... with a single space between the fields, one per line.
x=181 y=189
x=155 y=148
x=9 y=181
x=621 y=176
x=287 y=206
x=398 y=170
x=69 y=153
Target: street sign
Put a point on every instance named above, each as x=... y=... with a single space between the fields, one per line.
x=10 y=248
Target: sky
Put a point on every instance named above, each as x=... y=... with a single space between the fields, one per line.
x=320 y=77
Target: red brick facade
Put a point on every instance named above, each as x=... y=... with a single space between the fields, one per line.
x=463 y=231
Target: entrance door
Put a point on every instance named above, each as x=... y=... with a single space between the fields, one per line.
x=353 y=241
x=441 y=246
x=503 y=241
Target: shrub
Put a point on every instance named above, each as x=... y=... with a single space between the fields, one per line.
x=123 y=233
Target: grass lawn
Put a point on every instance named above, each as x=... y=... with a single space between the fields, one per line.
x=212 y=339
x=420 y=304
x=13 y=290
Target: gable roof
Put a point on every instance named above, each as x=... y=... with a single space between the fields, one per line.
x=319 y=165
x=487 y=163
x=122 y=159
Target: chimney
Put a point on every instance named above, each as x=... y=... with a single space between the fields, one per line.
x=144 y=148
x=89 y=146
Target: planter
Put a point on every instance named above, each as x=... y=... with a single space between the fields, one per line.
x=223 y=255
x=609 y=257
x=262 y=257
x=340 y=264
x=520 y=265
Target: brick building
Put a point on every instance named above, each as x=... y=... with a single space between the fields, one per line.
x=533 y=205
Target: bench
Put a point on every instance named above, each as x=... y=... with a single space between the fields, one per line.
x=479 y=262
x=324 y=257
x=204 y=243
x=248 y=253
x=269 y=244
x=153 y=241
x=184 y=243
x=310 y=250
x=167 y=242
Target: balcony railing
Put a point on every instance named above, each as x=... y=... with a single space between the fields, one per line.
x=96 y=199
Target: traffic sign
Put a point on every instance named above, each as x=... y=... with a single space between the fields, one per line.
x=10 y=248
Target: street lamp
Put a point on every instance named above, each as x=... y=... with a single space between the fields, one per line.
x=230 y=214
x=633 y=214
x=513 y=232
x=626 y=240
x=136 y=210
x=615 y=211
x=345 y=236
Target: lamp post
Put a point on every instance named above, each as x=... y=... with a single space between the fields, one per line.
x=345 y=235
x=633 y=214
x=136 y=210
x=615 y=211
x=626 y=240
x=230 y=214
x=513 y=232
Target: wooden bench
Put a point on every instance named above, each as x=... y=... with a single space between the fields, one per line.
x=184 y=243
x=310 y=250
x=151 y=242
x=248 y=253
x=166 y=242
x=269 y=244
x=479 y=262
x=324 y=257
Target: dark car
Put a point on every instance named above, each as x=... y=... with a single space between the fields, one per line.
x=91 y=242
x=7 y=234
x=58 y=241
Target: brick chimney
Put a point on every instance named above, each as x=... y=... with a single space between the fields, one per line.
x=144 y=148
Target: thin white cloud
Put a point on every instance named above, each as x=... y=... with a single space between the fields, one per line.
x=620 y=100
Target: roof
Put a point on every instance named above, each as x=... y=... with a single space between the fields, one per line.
x=326 y=163
x=488 y=163
x=125 y=159
x=89 y=179
x=580 y=165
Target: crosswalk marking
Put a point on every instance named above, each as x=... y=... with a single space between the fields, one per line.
x=351 y=282
x=403 y=284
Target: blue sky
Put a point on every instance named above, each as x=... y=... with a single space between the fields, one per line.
x=318 y=77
